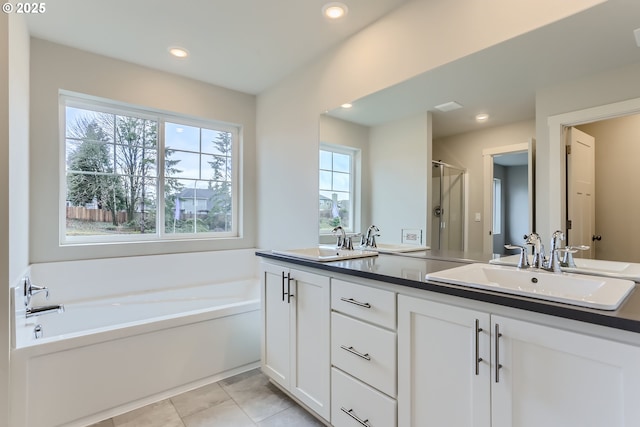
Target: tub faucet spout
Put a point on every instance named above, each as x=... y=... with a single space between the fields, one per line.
x=45 y=309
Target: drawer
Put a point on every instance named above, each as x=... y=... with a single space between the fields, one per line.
x=352 y=400
x=364 y=351
x=373 y=305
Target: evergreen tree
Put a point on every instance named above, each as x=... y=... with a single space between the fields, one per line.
x=219 y=216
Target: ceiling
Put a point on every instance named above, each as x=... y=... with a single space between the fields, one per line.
x=245 y=45
x=502 y=80
x=251 y=45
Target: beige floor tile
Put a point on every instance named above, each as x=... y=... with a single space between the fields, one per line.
x=226 y=414
x=199 y=399
x=292 y=417
x=258 y=397
x=160 y=414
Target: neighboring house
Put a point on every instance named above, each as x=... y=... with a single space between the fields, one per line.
x=194 y=201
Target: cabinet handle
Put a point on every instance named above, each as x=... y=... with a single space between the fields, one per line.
x=357 y=353
x=497 y=343
x=283 y=293
x=358 y=303
x=289 y=294
x=355 y=417
x=478 y=358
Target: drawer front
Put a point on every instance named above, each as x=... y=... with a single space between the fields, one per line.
x=354 y=404
x=364 y=351
x=370 y=304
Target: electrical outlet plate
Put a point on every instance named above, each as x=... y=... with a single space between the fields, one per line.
x=412 y=236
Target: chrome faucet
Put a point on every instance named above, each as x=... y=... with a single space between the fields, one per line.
x=30 y=289
x=533 y=239
x=553 y=262
x=344 y=241
x=369 y=240
x=45 y=309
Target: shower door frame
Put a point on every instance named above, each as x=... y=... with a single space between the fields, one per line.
x=465 y=204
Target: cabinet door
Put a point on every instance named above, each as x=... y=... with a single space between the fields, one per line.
x=555 y=378
x=441 y=379
x=275 y=318
x=310 y=344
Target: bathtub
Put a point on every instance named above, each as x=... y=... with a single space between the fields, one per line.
x=108 y=355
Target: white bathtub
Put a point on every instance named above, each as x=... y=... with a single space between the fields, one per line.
x=105 y=356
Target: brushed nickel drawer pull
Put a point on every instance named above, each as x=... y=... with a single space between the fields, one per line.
x=358 y=303
x=497 y=343
x=357 y=353
x=355 y=417
x=478 y=358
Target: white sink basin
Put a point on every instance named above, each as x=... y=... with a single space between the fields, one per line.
x=586 y=291
x=594 y=267
x=326 y=253
x=391 y=248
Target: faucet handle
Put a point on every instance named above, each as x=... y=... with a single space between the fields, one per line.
x=30 y=289
x=567 y=259
x=523 y=262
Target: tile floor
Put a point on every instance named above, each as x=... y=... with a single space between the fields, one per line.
x=247 y=399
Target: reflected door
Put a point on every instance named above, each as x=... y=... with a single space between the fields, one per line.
x=448 y=207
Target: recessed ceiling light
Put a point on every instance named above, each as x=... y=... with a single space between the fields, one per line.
x=448 y=106
x=178 y=52
x=334 y=10
x=347 y=105
x=483 y=117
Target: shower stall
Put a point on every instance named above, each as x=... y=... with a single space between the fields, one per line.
x=448 y=214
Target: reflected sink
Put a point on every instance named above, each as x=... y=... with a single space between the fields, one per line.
x=594 y=267
x=391 y=248
x=326 y=253
x=585 y=291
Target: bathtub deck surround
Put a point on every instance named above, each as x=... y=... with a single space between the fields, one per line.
x=247 y=399
x=155 y=326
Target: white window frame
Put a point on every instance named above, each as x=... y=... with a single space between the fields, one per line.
x=77 y=100
x=354 y=183
x=497 y=206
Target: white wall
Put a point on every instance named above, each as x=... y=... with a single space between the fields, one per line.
x=465 y=150
x=14 y=170
x=400 y=172
x=417 y=37
x=55 y=67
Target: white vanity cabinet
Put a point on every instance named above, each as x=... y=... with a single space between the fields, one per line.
x=462 y=367
x=363 y=355
x=296 y=325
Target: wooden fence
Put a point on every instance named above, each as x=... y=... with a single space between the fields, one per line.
x=94 y=215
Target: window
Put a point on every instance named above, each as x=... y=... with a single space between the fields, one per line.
x=337 y=187
x=131 y=174
x=497 y=206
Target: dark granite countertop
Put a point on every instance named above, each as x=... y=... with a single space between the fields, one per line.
x=410 y=270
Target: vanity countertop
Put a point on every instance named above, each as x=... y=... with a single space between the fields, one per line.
x=411 y=270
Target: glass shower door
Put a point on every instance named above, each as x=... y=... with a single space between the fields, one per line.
x=448 y=207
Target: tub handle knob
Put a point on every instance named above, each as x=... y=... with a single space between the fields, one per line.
x=31 y=289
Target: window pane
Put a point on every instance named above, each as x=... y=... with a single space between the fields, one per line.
x=181 y=137
x=325 y=180
x=216 y=168
x=341 y=162
x=216 y=142
x=326 y=159
x=334 y=210
x=341 y=181
x=187 y=164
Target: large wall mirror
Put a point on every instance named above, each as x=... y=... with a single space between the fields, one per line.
x=411 y=132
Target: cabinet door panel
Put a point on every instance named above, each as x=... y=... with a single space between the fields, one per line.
x=310 y=341
x=437 y=380
x=275 y=317
x=551 y=377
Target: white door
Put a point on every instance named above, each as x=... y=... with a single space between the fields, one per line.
x=555 y=378
x=441 y=379
x=275 y=328
x=310 y=341
x=581 y=191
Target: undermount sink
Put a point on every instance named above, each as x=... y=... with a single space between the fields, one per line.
x=594 y=267
x=326 y=253
x=391 y=248
x=603 y=293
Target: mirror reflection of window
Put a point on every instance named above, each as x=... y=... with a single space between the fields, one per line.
x=336 y=187
x=497 y=206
